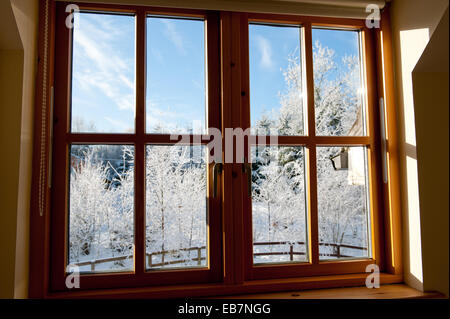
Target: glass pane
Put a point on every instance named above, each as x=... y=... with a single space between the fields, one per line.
x=276 y=102
x=101 y=207
x=176 y=92
x=278 y=205
x=176 y=179
x=103 y=73
x=343 y=202
x=338 y=87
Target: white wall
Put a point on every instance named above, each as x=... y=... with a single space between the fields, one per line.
x=17 y=79
x=413 y=24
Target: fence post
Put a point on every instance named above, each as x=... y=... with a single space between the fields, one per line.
x=338 y=251
x=291 y=252
x=92 y=265
x=149 y=260
x=199 y=256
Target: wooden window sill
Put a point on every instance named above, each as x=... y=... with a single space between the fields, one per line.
x=393 y=291
x=236 y=290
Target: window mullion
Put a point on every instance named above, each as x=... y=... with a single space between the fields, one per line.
x=313 y=225
x=139 y=178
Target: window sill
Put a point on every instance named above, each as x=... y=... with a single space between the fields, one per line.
x=235 y=290
x=393 y=291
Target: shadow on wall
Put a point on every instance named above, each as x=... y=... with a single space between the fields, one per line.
x=431 y=107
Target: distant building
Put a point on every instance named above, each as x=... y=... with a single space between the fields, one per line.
x=356 y=160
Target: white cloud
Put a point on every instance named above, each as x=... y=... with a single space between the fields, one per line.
x=118 y=125
x=100 y=65
x=198 y=85
x=170 y=120
x=157 y=54
x=126 y=81
x=265 y=50
x=154 y=109
x=174 y=36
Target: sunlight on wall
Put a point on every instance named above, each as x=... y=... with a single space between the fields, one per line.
x=412 y=44
x=415 y=244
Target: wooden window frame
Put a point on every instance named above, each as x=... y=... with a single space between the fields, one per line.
x=234 y=272
x=63 y=138
x=310 y=142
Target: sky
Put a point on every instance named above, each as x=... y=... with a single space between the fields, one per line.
x=270 y=47
x=103 y=72
x=103 y=76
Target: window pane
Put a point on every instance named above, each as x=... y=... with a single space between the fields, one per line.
x=343 y=202
x=176 y=93
x=101 y=207
x=337 y=83
x=278 y=205
x=103 y=73
x=276 y=101
x=176 y=207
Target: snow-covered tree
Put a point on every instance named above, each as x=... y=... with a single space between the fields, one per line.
x=342 y=206
x=278 y=198
x=101 y=207
x=338 y=109
x=176 y=199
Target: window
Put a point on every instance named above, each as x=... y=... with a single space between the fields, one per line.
x=143 y=192
x=136 y=209
x=276 y=80
x=311 y=192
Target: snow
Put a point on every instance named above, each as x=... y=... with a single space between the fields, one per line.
x=101 y=218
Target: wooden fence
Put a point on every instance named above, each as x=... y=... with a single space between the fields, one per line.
x=198 y=256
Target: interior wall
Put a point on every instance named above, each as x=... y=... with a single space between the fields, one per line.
x=26 y=14
x=431 y=107
x=18 y=22
x=413 y=24
x=11 y=65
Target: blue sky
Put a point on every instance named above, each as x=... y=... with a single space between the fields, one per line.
x=104 y=69
x=103 y=78
x=269 y=49
x=175 y=73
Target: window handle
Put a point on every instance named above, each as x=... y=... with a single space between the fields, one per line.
x=217 y=169
x=247 y=169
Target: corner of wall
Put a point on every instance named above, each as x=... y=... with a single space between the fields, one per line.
x=413 y=23
x=26 y=15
